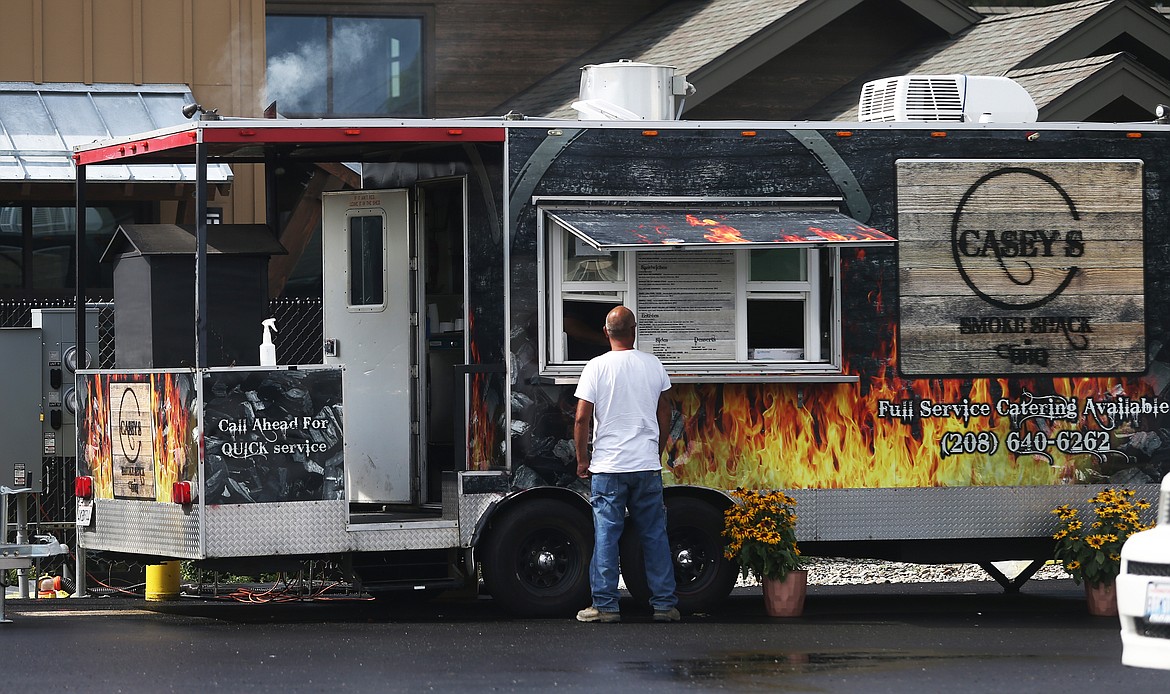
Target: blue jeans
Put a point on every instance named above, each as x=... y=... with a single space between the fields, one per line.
x=641 y=493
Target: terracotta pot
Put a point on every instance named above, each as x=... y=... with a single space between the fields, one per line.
x=785 y=598
x=1102 y=599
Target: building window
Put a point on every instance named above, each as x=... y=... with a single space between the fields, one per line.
x=341 y=65
x=701 y=310
x=37 y=244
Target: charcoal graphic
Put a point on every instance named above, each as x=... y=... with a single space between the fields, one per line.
x=273 y=436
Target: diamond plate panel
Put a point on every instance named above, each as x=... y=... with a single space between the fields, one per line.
x=476 y=492
x=313 y=527
x=273 y=529
x=143 y=527
x=471 y=509
x=939 y=513
x=414 y=535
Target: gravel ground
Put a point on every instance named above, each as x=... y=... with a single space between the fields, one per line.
x=836 y=572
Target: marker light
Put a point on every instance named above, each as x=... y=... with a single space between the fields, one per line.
x=83 y=487
x=181 y=493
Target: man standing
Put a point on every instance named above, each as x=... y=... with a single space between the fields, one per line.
x=622 y=394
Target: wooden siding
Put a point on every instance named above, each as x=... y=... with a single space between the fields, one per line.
x=214 y=46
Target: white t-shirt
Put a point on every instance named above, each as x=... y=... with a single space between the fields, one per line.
x=624 y=387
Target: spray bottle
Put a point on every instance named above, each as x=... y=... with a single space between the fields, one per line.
x=267 y=349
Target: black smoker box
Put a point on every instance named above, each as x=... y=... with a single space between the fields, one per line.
x=154 y=280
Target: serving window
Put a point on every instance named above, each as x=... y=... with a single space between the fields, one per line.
x=737 y=292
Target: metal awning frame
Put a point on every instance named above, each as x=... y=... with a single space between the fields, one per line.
x=249 y=141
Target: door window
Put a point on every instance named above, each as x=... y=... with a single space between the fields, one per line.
x=367 y=264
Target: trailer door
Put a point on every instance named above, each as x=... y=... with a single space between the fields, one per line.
x=367 y=317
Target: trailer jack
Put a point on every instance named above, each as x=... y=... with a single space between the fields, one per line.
x=1012 y=585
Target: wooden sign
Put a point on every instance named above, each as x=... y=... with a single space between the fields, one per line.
x=132 y=440
x=1020 y=267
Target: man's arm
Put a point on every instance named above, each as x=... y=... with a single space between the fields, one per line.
x=581 y=425
x=663 y=423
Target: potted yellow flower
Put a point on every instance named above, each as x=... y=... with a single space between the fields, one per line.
x=1092 y=552
x=760 y=529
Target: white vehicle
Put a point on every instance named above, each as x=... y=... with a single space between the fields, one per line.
x=1143 y=592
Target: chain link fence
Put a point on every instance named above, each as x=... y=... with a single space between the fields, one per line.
x=299 y=325
x=52 y=511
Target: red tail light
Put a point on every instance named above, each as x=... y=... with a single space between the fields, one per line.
x=181 y=493
x=83 y=487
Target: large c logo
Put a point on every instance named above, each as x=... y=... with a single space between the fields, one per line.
x=128 y=431
x=993 y=246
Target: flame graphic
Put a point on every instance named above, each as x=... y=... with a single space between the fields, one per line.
x=172 y=425
x=174 y=454
x=96 y=455
x=869 y=233
x=481 y=434
x=828 y=234
x=804 y=436
x=717 y=232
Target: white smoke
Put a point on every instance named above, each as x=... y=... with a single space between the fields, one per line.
x=297 y=79
x=294 y=77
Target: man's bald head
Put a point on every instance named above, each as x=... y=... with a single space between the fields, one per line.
x=619 y=325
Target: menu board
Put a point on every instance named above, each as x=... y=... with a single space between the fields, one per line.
x=686 y=305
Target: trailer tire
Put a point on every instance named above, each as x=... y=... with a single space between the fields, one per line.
x=704 y=577
x=536 y=556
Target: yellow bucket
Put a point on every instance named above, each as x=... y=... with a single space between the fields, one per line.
x=162 y=581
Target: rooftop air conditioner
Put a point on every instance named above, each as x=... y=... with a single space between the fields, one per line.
x=946 y=98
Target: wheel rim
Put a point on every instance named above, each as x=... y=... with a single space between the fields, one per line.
x=547 y=556
x=693 y=560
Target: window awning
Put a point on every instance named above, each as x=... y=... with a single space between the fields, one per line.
x=41 y=123
x=656 y=229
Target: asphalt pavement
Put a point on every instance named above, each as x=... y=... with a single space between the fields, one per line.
x=916 y=637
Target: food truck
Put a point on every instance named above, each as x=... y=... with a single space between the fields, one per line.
x=930 y=334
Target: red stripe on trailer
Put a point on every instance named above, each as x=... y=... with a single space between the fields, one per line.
x=135 y=148
x=318 y=134
x=291 y=135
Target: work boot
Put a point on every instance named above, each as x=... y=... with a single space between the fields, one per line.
x=592 y=614
x=670 y=615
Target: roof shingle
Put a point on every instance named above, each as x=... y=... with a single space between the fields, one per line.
x=994 y=46
x=686 y=35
